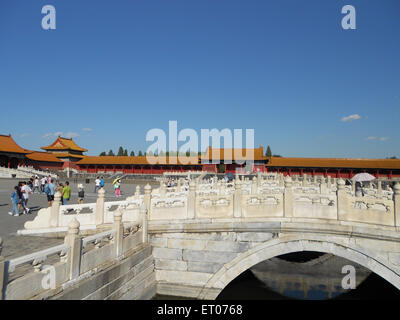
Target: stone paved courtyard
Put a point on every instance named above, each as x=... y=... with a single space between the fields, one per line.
x=15 y=245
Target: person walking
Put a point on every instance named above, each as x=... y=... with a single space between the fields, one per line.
x=36 y=184
x=117 y=188
x=97 y=184
x=81 y=193
x=66 y=193
x=15 y=201
x=26 y=191
x=43 y=182
x=102 y=182
x=49 y=191
x=19 y=194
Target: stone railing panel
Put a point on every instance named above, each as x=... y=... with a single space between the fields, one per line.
x=168 y=208
x=132 y=240
x=130 y=209
x=368 y=209
x=97 y=256
x=262 y=205
x=84 y=213
x=219 y=206
x=318 y=206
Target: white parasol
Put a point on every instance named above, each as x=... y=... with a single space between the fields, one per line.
x=364 y=176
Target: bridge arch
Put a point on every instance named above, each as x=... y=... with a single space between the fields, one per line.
x=297 y=243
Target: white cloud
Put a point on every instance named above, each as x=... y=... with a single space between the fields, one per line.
x=351 y=118
x=377 y=138
x=71 y=135
x=23 y=135
x=61 y=134
x=87 y=129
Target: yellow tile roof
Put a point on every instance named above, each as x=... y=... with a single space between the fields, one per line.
x=64 y=144
x=231 y=154
x=128 y=160
x=43 y=156
x=335 y=163
x=7 y=144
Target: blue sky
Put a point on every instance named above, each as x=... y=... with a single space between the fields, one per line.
x=113 y=70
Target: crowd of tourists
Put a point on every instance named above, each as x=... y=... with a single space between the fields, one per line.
x=46 y=185
x=99 y=183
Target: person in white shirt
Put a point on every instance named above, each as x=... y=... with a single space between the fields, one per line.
x=97 y=184
x=26 y=191
x=43 y=182
x=36 y=184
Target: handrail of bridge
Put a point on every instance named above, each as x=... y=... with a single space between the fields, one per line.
x=98 y=237
x=37 y=257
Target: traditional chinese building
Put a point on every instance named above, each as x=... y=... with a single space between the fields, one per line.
x=13 y=156
x=65 y=149
x=65 y=153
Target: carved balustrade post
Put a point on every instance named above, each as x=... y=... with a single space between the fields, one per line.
x=191 y=200
x=137 y=192
x=254 y=186
x=237 y=199
x=281 y=180
x=55 y=210
x=288 y=198
x=163 y=190
x=304 y=183
x=323 y=189
x=341 y=197
x=119 y=232
x=2 y=270
x=99 y=212
x=353 y=187
x=258 y=179
x=147 y=198
x=73 y=241
x=379 y=191
x=143 y=214
x=396 y=199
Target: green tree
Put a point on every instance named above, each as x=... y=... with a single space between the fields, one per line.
x=103 y=154
x=268 y=153
x=132 y=153
x=111 y=153
x=120 y=151
x=140 y=153
x=125 y=153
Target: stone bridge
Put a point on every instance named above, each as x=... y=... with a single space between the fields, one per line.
x=194 y=239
